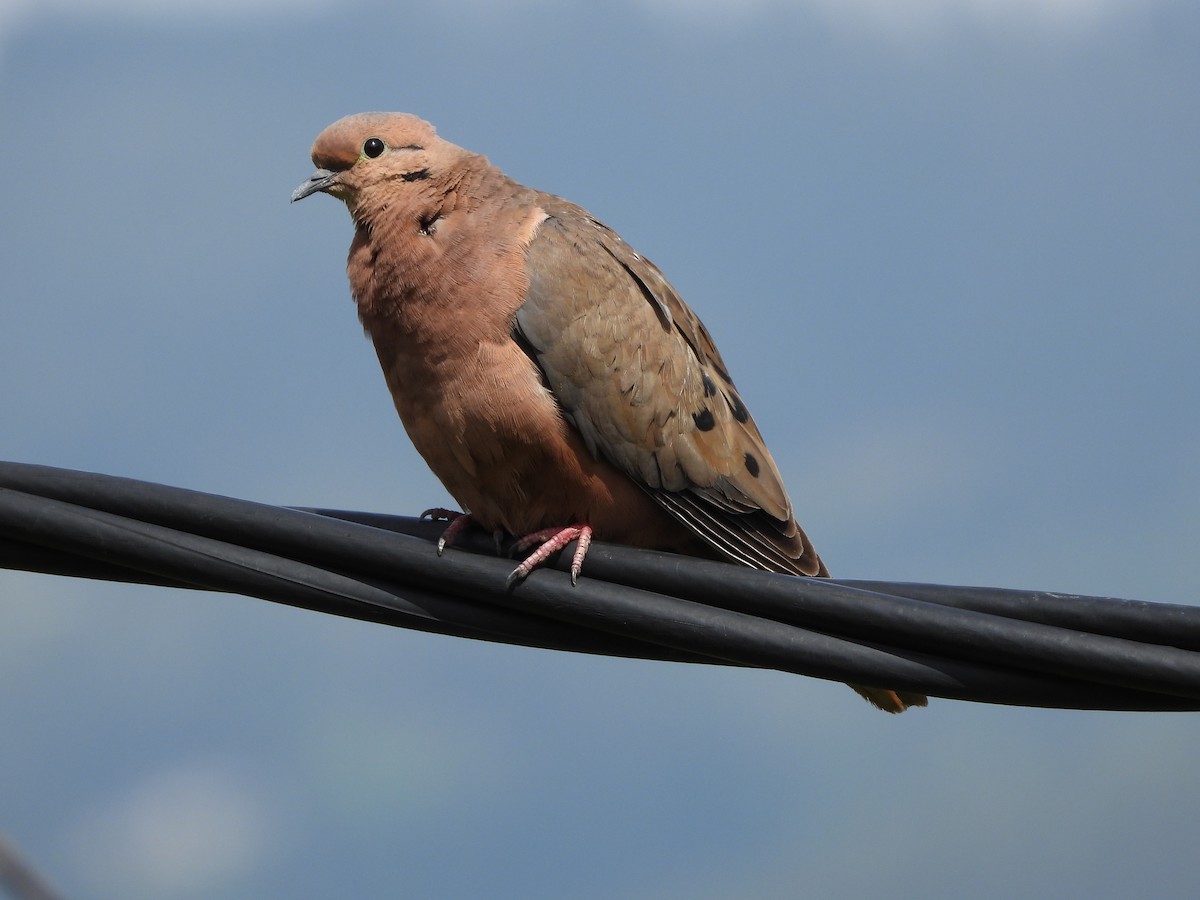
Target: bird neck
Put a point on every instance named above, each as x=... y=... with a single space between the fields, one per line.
x=406 y=199
x=441 y=265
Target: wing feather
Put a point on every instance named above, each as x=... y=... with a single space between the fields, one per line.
x=637 y=374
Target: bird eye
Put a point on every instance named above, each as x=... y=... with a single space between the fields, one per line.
x=372 y=147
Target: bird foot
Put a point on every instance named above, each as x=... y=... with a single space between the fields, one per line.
x=551 y=540
x=459 y=522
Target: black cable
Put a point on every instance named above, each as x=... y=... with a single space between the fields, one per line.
x=94 y=543
x=985 y=644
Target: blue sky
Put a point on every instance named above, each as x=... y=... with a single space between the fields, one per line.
x=950 y=257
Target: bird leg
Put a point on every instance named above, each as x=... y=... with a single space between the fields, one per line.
x=552 y=540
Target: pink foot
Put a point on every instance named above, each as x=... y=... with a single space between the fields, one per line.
x=552 y=540
x=459 y=522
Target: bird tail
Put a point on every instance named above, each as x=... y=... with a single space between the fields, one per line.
x=890 y=701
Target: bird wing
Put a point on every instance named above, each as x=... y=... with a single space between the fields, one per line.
x=637 y=374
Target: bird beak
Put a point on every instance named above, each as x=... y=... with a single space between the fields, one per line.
x=320 y=180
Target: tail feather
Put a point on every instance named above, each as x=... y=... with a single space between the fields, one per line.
x=890 y=701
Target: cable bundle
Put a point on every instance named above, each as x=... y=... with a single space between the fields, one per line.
x=985 y=644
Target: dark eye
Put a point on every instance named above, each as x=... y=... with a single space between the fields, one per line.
x=372 y=147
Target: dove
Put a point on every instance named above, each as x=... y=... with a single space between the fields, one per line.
x=549 y=375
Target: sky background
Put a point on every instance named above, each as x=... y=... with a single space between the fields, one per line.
x=949 y=251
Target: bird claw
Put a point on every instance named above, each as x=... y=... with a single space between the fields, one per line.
x=551 y=540
x=515 y=577
x=457 y=523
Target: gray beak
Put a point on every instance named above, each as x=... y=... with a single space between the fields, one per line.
x=320 y=180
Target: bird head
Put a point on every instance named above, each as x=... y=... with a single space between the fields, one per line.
x=368 y=150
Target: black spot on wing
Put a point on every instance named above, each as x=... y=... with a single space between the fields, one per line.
x=752 y=464
x=710 y=389
x=704 y=419
x=737 y=407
